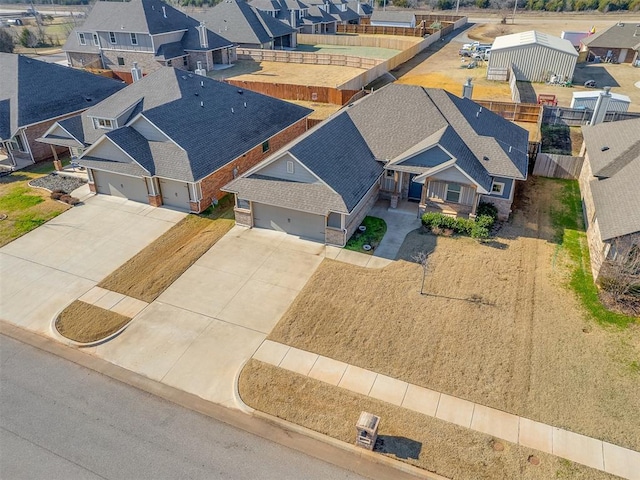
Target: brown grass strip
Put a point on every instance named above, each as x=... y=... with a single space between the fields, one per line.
x=157 y=266
x=84 y=323
x=440 y=447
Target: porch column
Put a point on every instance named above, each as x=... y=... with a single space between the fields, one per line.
x=57 y=164
x=476 y=201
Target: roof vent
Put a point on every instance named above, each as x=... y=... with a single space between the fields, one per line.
x=196 y=94
x=202 y=104
x=485 y=158
x=184 y=77
x=240 y=92
x=604 y=148
x=232 y=111
x=245 y=104
x=202 y=83
x=88 y=99
x=164 y=11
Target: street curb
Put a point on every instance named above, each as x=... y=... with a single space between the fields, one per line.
x=298 y=438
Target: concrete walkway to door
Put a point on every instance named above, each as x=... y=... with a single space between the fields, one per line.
x=400 y=222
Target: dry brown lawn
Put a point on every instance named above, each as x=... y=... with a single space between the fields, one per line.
x=426 y=442
x=86 y=323
x=497 y=326
x=321 y=111
x=156 y=267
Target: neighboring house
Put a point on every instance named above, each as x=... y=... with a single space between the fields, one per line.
x=404 y=143
x=587 y=100
x=619 y=43
x=610 y=190
x=174 y=138
x=33 y=96
x=341 y=10
x=149 y=32
x=302 y=16
x=389 y=18
x=534 y=56
x=247 y=26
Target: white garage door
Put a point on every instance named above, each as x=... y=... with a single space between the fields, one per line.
x=132 y=188
x=175 y=194
x=290 y=221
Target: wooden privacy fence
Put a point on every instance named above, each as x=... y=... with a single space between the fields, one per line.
x=516 y=112
x=558 y=166
x=574 y=117
x=377 y=30
x=393 y=43
x=305 y=93
x=498 y=74
x=286 y=56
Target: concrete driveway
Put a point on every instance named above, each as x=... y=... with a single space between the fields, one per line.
x=49 y=267
x=197 y=335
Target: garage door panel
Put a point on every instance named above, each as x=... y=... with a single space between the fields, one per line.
x=289 y=221
x=133 y=188
x=175 y=194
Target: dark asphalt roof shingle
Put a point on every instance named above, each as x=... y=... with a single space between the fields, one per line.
x=620 y=35
x=32 y=91
x=613 y=151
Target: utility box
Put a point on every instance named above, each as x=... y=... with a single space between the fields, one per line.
x=367 y=430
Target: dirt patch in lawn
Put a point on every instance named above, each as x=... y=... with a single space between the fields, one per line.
x=152 y=270
x=498 y=325
x=23 y=208
x=84 y=323
x=423 y=441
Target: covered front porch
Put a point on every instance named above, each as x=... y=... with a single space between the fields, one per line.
x=415 y=193
x=13 y=155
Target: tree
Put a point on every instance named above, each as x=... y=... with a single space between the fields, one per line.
x=27 y=39
x=483 y=3
x=620 y=274
x=423 y=259
x=7 y=43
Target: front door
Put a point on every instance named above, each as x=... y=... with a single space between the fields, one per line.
x=415 y=189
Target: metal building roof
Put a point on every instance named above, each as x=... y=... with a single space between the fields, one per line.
x=532 y=37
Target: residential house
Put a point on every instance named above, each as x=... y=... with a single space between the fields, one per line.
x=342 y=10
x=149 y=32
x=247 y=26
x=610 y=190
x=423 y=149
x=393 y=18
x=174 y=138
x=619 y=43
x=33 y=96
x=302 y=16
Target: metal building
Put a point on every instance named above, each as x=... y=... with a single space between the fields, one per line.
x=534 y=56
x=587 y=101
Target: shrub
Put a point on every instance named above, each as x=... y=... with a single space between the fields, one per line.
x=478 y=228
x=487 y=209
x=57 y=194
x=68 y=199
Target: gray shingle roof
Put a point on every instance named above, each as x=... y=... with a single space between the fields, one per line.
x=620 y=35
x=314 y=14
x=129 y=168
x=209 y=136
x=168 y=51
x=314 y=198
x=241 y=23
x=32 y=91
x=348 y=150
x=615 y=186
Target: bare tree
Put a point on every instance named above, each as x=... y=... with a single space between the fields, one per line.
x=620 y=274
x=423 y=259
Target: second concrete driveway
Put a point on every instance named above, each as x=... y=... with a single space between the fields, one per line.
x=203 y=328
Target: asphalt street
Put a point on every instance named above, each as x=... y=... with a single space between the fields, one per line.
x=59 y=420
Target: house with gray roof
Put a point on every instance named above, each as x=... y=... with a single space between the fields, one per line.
x=247 y=26
x=610 y=191
x=423 y=148
x=174 y=138
x=33 y=96
x=619 y=43
x=302 y=16
x=149 y=32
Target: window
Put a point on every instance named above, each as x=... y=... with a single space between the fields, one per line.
x=96 y=42
x=134 y=39
x=169 y=63
x=103 y=123
x=265 y=147
x=244 y=204
x=453 y=193
x=290 y=166
x=390 y=173
x=185 y=61
x=497 y=188
x=112 y=37
x=121 y=61
x=82 y=39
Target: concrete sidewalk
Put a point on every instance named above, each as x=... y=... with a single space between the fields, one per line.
x=512 y=428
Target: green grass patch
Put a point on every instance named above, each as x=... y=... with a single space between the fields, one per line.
x=572 y=239
x=224 y=209
x=376 y=228
x=19 y=198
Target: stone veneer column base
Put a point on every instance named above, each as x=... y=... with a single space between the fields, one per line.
x=155 y=200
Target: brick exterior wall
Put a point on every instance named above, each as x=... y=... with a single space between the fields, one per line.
x=212 y=184
x=334 y=236
x=502 y=204
x=84 y=60
x=243 y=217
x=195 y=57
x=602 y=52
x=355 y=219
x=42 y=151
x=155 y=200
x=594 y=240
x=145 y=61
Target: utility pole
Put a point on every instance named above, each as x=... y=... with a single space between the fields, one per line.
x=457 y=6
x=515 y=6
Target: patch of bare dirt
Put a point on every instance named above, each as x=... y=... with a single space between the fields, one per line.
x=86 y=323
